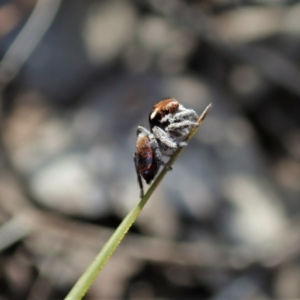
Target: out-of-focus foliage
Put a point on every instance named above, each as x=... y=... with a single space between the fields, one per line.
x=77 y=77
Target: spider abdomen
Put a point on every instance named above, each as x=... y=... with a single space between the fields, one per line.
x=145 y=158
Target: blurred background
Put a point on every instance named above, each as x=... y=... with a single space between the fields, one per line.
x=77 y=78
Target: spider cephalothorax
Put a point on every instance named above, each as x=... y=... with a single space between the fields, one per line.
x=170 y=122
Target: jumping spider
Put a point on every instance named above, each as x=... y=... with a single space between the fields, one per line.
x=170 y=122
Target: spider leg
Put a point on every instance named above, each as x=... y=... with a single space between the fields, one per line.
x=139 y=178
x=164 y=138
x=185 y=114
x=158 y=154
x=186 y=124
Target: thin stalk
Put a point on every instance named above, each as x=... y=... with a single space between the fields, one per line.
x=88 y=277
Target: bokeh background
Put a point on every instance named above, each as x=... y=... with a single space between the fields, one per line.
x=77 y=78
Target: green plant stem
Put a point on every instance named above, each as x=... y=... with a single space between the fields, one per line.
x=88 y=277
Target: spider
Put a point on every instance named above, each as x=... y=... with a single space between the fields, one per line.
x=147 y=158
x=170 y=122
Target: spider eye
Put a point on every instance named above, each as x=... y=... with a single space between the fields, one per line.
x=152 y=116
